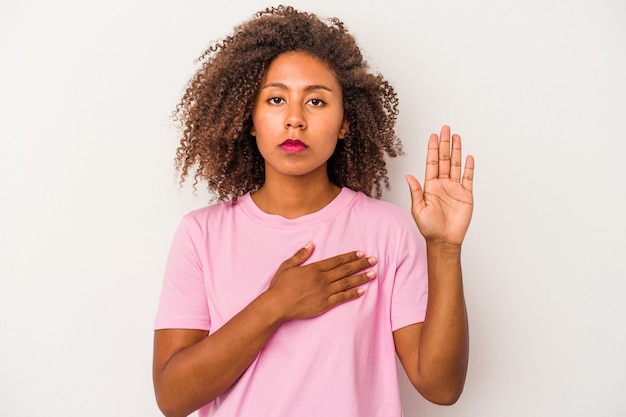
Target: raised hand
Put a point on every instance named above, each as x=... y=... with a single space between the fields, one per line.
x=442 y=209
x=305 y=291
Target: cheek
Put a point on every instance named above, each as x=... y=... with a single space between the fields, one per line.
x=261 y=123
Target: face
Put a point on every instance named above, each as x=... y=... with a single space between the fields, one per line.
x=298 y=116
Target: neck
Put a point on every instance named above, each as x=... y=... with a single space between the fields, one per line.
x=294 y=198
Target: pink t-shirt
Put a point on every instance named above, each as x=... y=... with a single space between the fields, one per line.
x=342 y=363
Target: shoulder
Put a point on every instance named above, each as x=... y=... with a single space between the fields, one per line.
x=214 y=211
x=391 y=227
x=200 y=221
x=379 y=210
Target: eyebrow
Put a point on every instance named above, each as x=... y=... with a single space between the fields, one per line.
x=308 y=88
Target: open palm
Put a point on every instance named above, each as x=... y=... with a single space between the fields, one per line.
x=442 y=208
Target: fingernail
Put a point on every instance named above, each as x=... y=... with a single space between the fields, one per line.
x=360 y=291
x=360 y=254
x=308 y=245
x=371 y=274
x=371 y=260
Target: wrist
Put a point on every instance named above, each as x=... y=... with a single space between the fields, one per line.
x=271 y=308
x=443 y=248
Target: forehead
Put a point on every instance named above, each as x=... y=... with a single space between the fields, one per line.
x=297 y=66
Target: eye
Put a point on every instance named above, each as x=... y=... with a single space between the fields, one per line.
x=275 y=100
x=316 y=102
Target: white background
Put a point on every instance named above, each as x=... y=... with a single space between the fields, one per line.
x=89 y=200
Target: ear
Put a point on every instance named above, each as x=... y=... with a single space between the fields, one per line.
x=253 y=131
x=345 y=128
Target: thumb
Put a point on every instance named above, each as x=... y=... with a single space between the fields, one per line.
x=301 y=255
x=417 y=194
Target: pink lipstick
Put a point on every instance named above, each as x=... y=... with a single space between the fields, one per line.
x=293 y=146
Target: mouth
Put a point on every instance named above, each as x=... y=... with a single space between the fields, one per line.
x=293 y=146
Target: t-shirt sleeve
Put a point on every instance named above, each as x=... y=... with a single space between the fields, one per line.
x=410 y=290
x=183 y=303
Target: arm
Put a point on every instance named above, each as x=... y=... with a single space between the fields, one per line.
x=191 y=368
x=434 y=354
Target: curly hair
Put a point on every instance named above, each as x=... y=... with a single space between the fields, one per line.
x=215 y=111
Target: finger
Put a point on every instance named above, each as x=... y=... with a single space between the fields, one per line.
x=338 y=261
x=300 y=256
x=468 y=173
x=351 y=281
x=348 y=269
x=444 y=153
x=344 y=296
x=432 y=158
x=417 y=193
x=455 y=160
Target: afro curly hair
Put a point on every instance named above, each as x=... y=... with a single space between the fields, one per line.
x=215 y=112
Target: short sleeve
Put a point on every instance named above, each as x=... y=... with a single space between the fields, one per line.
x=410 y=289
x=183 y=303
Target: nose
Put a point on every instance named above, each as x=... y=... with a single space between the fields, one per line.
x=295 y=117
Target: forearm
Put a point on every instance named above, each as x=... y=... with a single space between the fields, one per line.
x=444 y=342
x=197 y=374
x=435 y=352
x=191 y=369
